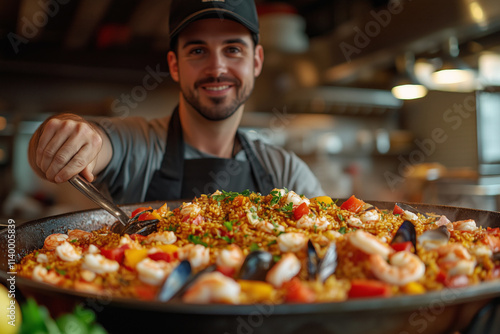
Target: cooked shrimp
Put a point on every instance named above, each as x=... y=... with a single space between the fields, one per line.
x=408 y=215
x=67 y=252
x=78 y=234
x=88 y=275
x=262 y=224
x=54 y=240
x=99 y=264
x=213 y=287
x=153 y=272
x=456 y=260
x=93 y=249
x=443 y=220
x=231 y=257
x=403 y=267
x=319 y=224
x=190 y=210
x=41 y=274
x=165 y=237
x=369 y=244
x=197 y=255
x=293 y=197
x=354 y=222
x=468 y=225
x=492 y=242
x=283 y=271
x=42 y=258
x=292 y=242
x=369 y=216
x=481 y=251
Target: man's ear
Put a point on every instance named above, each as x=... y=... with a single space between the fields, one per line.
x=173 y=66
x=258 y=59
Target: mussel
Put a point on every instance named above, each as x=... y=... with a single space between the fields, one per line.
x=180 y=280
x=175 y=281
x=406 y=232
x=434 y=238
x=256 y=266
x=321 y=268
x=144 y=227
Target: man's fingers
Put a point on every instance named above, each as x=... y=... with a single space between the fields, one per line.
x=74 y=165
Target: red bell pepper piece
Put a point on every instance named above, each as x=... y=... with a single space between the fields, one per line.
x=300 y=211
x=115 y=254
x=352 y=204
x=397 y=210
x=368 y=288
x=402 y=246
x=297 y=292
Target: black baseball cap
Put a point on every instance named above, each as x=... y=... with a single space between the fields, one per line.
x=184 y=12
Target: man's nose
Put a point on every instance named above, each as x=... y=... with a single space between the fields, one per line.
x=216 y=65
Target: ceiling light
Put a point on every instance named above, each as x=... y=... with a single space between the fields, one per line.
x=452 y=76
x=407 y=87
x=409 y=91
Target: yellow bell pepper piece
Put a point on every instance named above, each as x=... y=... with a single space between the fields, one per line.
x=259 y=291
x=413 y=288
x=134 y=256
x=322 y=199
x=168 y=248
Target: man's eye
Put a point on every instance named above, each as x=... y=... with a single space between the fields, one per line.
x=196 y=51
x=233 y=49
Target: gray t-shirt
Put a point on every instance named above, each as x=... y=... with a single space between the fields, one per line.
x=139 y=145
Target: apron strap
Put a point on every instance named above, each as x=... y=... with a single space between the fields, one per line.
x=264 y=180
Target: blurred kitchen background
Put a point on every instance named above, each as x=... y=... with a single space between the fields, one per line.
x=326 y=91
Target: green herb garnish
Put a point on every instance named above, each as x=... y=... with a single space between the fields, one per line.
x=342 y=230
x=229 y=224
x=196 y=239
x=340 y=217
x=228 y=240
x=230 y=195
x=272 y=242
x=254 y=246
x=60 y=271
x=276 y=258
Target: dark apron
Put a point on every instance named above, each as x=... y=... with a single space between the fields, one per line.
x=185 y=179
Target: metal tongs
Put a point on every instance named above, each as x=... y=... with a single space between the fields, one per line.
x=125 y=225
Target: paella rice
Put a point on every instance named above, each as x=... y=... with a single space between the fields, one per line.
x=275 y=248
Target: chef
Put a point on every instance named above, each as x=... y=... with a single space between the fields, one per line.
x=215 y=57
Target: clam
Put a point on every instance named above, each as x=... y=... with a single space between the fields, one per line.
x=321 y=268
x=406 y=232
x=256 y=266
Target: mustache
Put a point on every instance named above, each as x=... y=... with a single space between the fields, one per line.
x=210 y=80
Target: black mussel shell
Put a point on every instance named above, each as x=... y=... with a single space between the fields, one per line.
x=328 y=263
x=192 y=278
x=175 y=281
x=256 y=266
x=321 y=268
x=438 y=234
x=406 y=232
x=144 y=228
x=312 y=260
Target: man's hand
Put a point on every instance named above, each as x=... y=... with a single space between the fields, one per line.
x=66 y=145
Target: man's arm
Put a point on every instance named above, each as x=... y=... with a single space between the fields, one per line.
x=66 y=145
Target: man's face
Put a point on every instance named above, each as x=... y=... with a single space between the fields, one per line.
x=216 y=66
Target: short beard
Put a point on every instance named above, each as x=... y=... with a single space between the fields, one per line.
x=217 y=112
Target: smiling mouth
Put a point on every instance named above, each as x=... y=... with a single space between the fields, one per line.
x=216 y=88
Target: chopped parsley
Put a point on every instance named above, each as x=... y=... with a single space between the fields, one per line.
x=272 y=242
x=254 y=246
x=229 y=224
x=228 y=240
x=340 y=217
x=276 y=197
x=342 y=230
x=196 y=239
x=288 y=209
x=230 y=195
x=276 y=258
x=60 y=271
x=73 y=241
x=256 y=200
x=172 y=228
